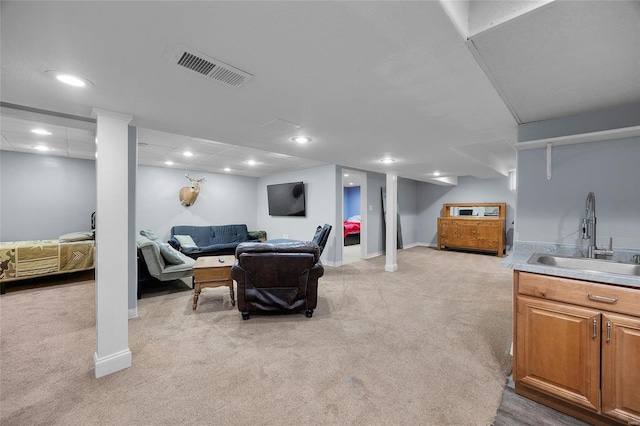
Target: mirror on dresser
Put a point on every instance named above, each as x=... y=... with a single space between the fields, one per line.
x=473 y=226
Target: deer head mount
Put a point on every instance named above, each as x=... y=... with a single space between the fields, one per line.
x=188 y=194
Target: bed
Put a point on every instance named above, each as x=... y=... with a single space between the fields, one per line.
x=21 y=260
x=351 y=228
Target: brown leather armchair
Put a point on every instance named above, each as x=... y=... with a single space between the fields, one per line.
x=276 y=278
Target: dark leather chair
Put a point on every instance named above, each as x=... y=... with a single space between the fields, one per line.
x=322 y=236
x=277 y=278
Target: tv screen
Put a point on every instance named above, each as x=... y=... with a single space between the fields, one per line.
x=286 y=199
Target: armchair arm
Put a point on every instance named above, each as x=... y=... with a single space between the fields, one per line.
x=312 y=285
x=239 y=275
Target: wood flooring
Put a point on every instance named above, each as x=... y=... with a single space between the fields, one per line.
x=516 y=410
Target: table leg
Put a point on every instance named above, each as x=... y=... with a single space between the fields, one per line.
x=196 y=293
x=233 y=300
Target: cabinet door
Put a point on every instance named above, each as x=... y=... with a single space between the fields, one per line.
x=621 y=367
x=489 y=235
x=489 y=231
x=558 y=350
x=446 y=231
x=467 y=233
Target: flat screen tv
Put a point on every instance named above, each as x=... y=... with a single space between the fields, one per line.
x=286 y=199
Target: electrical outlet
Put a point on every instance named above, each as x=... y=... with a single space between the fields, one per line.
x=370 y=208
x=285 y=236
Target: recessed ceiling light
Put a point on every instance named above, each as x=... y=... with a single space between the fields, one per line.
x=169 y=163
x=70 y=79
x=41 y=132
x=350 y=183
x=387 y=160
x=226 y=169
x=436 y=173
x=252 y=162
x=188 y=154
x=346 y=175
x=41 y=148
x=301 y=139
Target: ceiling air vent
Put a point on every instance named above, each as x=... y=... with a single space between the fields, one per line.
x=210 y=68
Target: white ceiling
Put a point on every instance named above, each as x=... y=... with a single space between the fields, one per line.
x=364 y=80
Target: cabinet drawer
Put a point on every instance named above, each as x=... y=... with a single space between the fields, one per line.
x=487 y=244
x=206 y=274
x=583 y=293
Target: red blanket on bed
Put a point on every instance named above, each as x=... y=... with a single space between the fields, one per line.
x=351 y=227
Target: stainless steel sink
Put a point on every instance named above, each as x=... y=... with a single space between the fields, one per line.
x=585 y=264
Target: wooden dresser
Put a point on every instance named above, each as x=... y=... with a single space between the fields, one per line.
x=476 y=226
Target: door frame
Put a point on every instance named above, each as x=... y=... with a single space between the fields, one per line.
x=363 y=210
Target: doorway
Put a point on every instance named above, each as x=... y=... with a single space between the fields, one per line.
x=354 y=216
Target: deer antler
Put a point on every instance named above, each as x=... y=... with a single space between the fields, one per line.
x=190 y=179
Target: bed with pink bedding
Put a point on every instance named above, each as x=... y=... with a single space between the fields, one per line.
x=351 y=231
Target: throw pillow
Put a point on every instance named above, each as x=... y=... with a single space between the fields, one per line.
x=170 y=254
x=76 y=236
x=186 y=241
x=150 y=235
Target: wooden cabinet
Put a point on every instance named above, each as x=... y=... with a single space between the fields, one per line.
x=577 y=347
x=621 y=367
x=483 y=229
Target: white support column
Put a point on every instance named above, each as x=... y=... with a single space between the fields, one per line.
x=112 y=243
x=392 y=223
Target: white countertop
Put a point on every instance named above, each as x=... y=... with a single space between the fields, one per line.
x=517 y=260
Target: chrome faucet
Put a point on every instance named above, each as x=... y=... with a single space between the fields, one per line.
x=588 y=229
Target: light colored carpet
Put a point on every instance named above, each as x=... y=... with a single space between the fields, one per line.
x=427 y=345
x=351 y=254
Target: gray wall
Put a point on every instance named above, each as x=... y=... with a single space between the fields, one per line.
x=132 y=161
x=43 y=197
x=223 y=200
x=375 y=215
x=468 y=190
x=550 y=211
x=320 y=184
x=408 y=191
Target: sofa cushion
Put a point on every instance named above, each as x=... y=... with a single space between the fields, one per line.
x=213 y=240
x=171 y=256
x=223 y=234
x=186 y=241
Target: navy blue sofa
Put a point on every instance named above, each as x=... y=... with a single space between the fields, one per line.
x=210 y=240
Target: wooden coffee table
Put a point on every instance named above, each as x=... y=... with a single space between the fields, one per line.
x=209 y=271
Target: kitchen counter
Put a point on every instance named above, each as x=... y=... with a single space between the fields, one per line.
x=517 y=260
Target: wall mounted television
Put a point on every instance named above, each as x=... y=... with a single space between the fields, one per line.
x=286 y=199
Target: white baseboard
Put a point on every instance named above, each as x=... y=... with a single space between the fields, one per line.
x=391 y=268
x=376 y=254
x=112 y=363
x=133 y=312
x=427 y=245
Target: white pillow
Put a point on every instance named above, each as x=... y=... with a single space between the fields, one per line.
x=186 y=241
x=170 y=255
x=76 y=236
